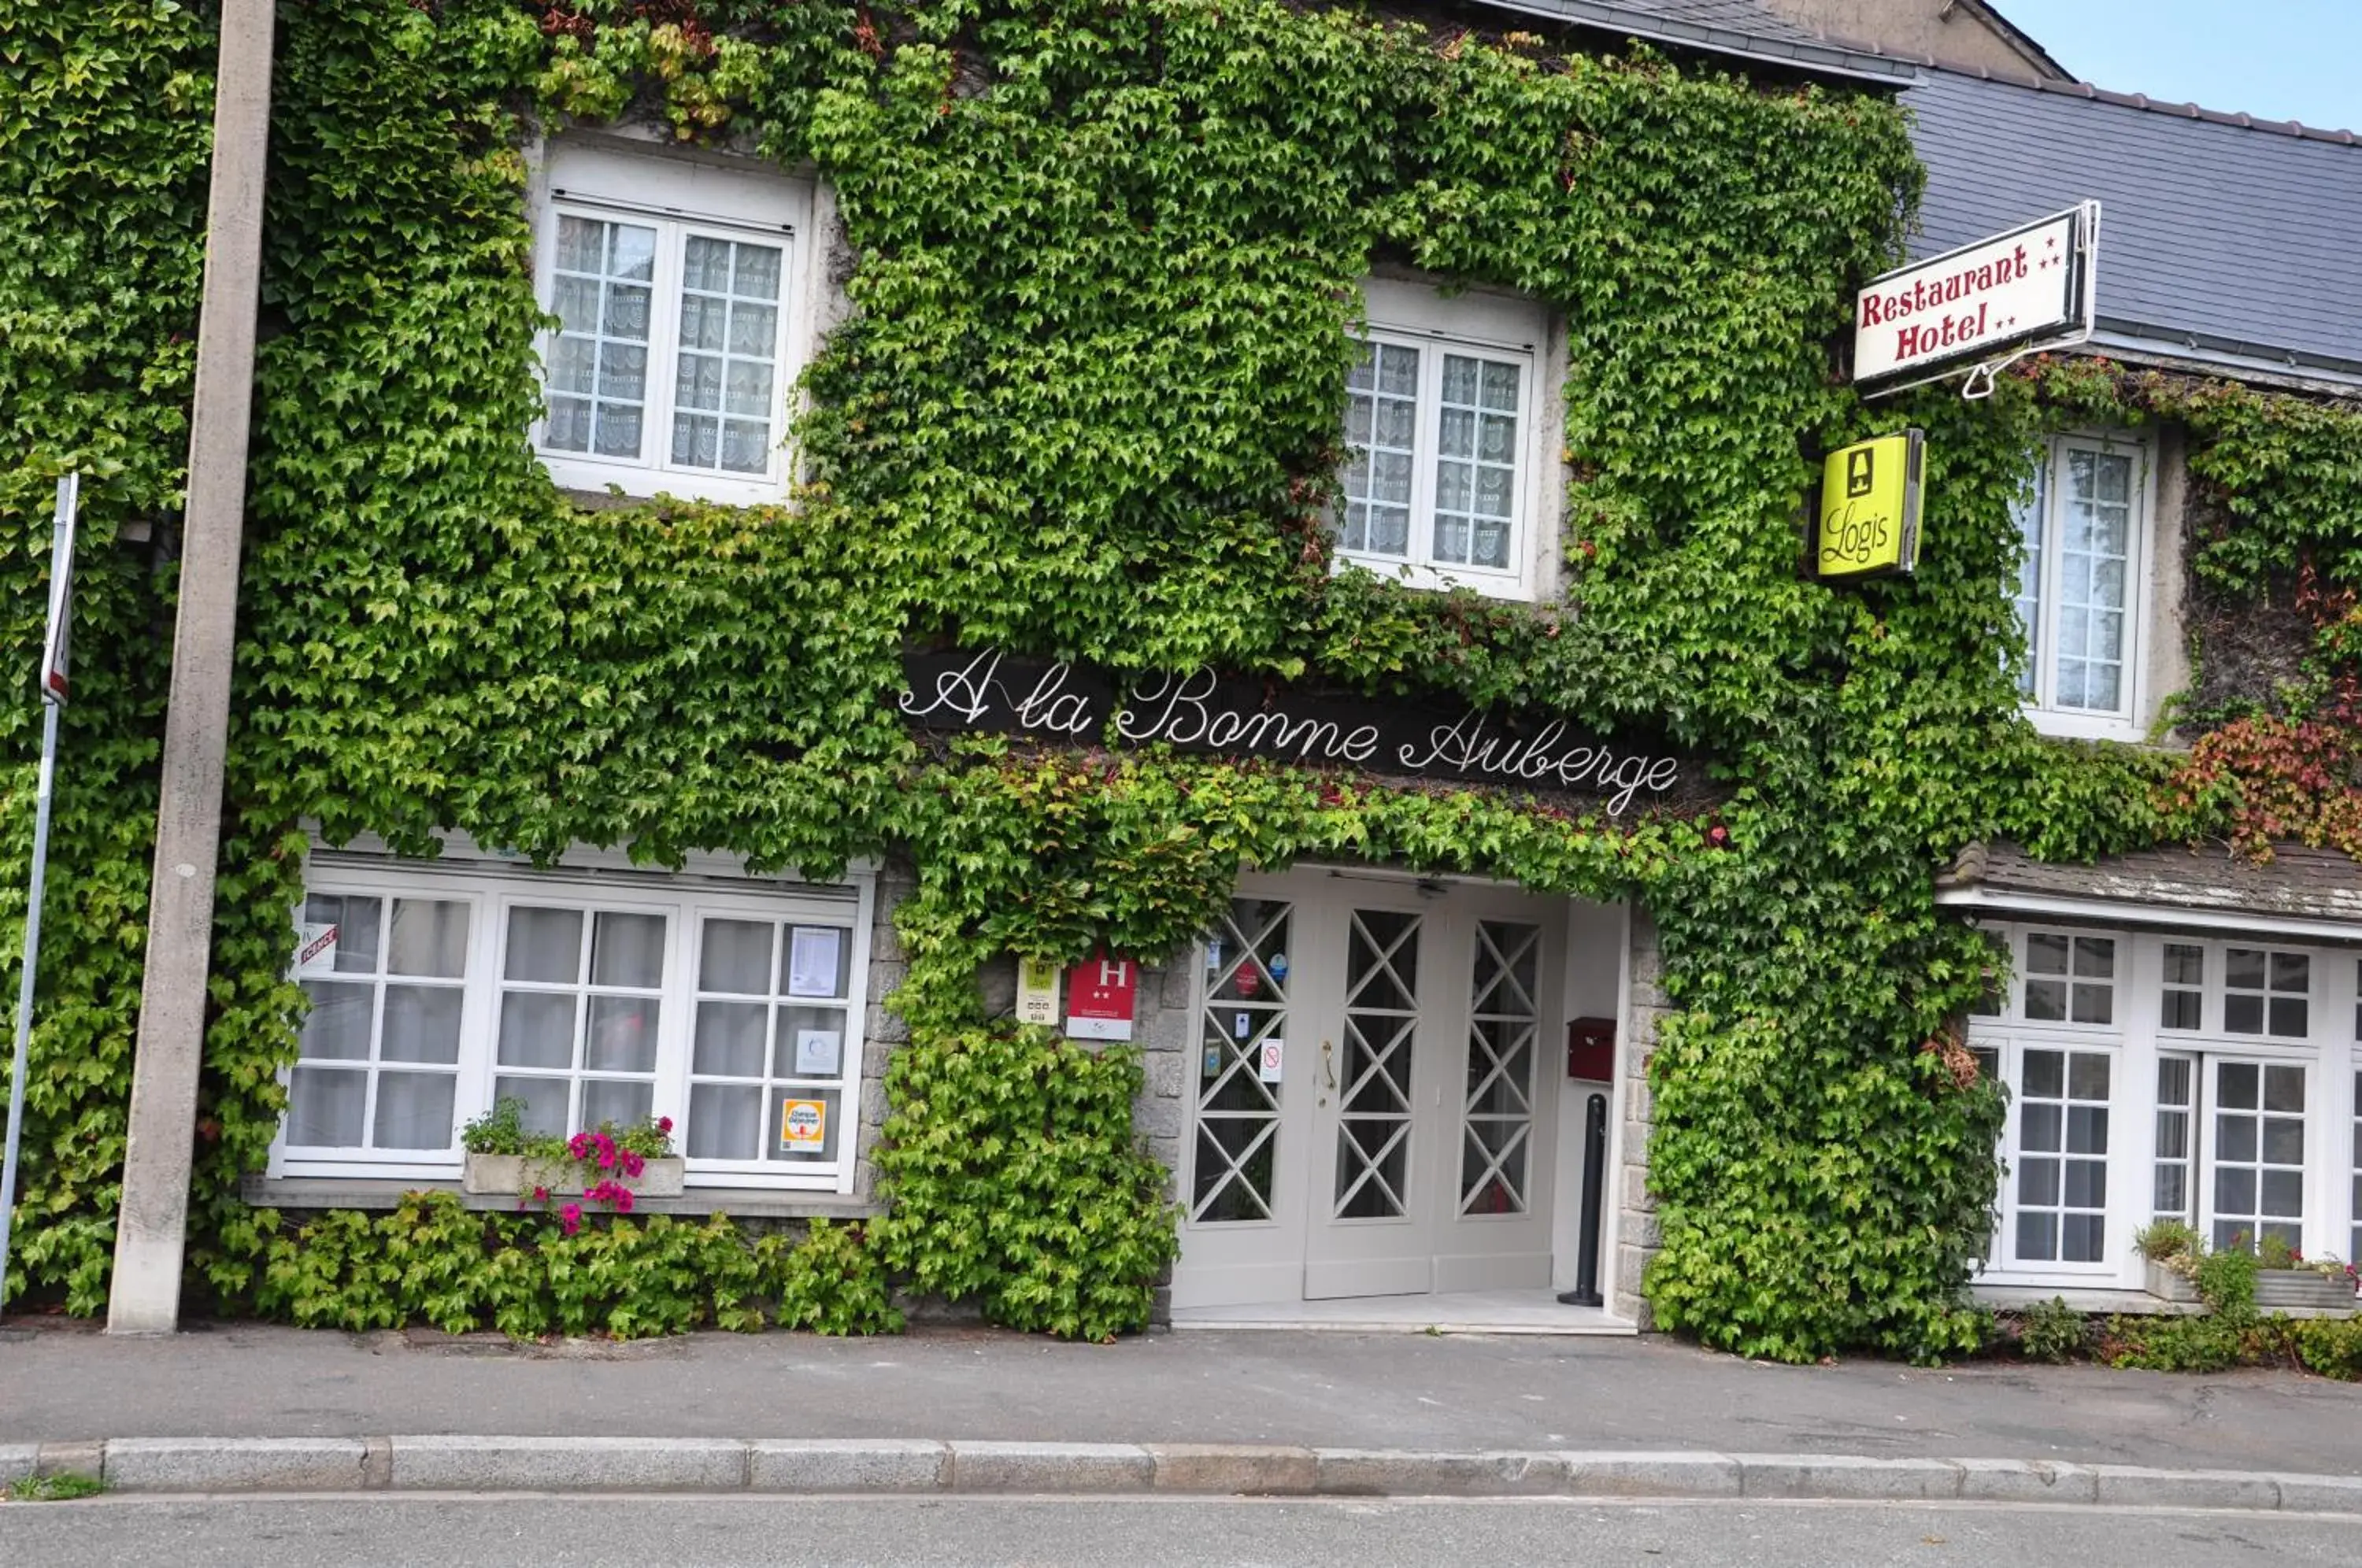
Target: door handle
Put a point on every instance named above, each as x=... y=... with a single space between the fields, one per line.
x=1327 y=1065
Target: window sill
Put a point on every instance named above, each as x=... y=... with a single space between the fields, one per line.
x=638 y=486
x=1439 y=579
x=2082 y=1298
x=739 y=1203
x=2058 y=725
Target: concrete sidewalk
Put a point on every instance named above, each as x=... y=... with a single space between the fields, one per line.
x=63 y=1383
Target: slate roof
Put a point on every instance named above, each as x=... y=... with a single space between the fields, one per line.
x=1739 y=29
x=2224 y=236
x=2299 y=883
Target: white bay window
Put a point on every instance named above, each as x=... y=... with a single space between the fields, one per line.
x=732 y=1005
x=2172 y=1074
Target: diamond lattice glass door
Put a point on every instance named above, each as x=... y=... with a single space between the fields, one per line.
x=1374 y=1121
x=1238 y=1108
x=1503 y=1021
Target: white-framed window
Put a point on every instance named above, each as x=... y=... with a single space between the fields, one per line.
x=2055 y=1042
x=2083 y=598
x=732 y=1005
x=2354 y=1230
x=2056 y=977
x=2172 y=1193
x=676 y=294
x=2232 y=1016
x=2168 y=1074
x=1441 y=486
x=2256 y=1158
x=2061 y=1170
x=377 y=1069
x=2235 y=987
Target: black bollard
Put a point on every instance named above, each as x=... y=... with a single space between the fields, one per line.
x=1594 y=1163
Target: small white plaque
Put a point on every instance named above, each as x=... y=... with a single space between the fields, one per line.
x=1274 y=1050
x=818 y=1052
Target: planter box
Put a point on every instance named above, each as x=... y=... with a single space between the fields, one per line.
x=2163 y=1282
x=508 y=1174
x=2298 y=1291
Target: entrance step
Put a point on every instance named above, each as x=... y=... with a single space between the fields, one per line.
x=1459 y=1312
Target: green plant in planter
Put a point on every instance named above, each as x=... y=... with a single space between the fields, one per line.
x=2168 y=1242
x=2275 y=1252
x=617 y=1155
x=500 y=1130
x=650 y=1137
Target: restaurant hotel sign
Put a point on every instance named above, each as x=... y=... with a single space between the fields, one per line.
x=1070 y=704
x=2027 y=289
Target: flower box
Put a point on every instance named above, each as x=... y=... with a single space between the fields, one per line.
x=508 y=1173
x=2169 y=1285
x=2301 y=1291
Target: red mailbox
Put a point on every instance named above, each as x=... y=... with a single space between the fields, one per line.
x=1591 y=1049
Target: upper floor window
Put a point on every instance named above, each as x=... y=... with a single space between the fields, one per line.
x=2081 y=590
x=1441 y=480
x=674 y=285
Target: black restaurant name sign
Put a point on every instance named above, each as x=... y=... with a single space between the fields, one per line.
x=1059 y=702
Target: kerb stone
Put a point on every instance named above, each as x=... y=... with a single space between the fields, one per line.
x=2319 y=1494
x=568 y=1463
x=1651 y=1474
x=1051 y=1467
x=1233 y=1469
x=1846 y=1476
x=874 y=1464
x=2140 y=1487
x=229 y=1464
x=2026 y=1481
x=1404 y=1473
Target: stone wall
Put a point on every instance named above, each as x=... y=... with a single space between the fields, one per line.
x=881 y=1028
x=1636 y=1220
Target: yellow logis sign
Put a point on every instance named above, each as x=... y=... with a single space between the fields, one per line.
x=1870 y=508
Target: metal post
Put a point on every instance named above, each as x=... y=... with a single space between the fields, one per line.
x=1594 y=1164
x=145 y=1290
x=25 y=985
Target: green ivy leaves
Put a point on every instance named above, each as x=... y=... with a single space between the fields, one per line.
x=1103 y=260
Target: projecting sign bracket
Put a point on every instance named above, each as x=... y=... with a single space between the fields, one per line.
x=1985 y=355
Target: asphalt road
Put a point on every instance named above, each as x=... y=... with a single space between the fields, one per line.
x=1346 y=1389
x=693 y=1532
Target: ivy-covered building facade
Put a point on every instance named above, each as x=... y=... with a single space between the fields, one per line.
x=770 y=527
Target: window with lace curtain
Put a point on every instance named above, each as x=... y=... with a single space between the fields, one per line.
x=437 y=988
x=673 y=290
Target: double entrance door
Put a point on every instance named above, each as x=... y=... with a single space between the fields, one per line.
x=1374 y=1090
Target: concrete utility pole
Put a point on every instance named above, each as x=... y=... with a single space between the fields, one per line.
x=148 y=1233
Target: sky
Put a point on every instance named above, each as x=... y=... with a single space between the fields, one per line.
x=2280 y=59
